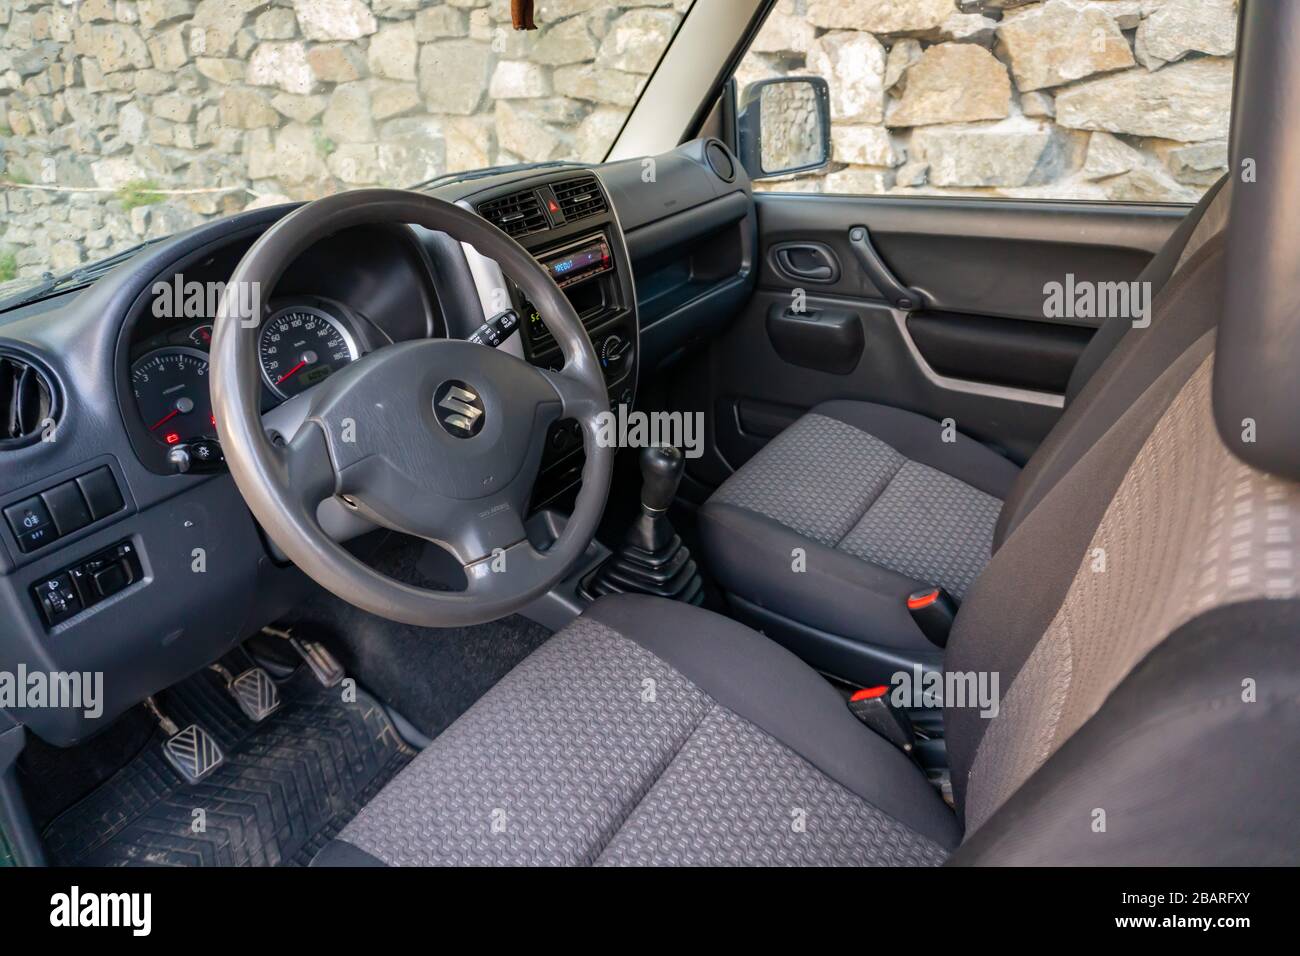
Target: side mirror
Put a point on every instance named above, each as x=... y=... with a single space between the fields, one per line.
x=784 y=126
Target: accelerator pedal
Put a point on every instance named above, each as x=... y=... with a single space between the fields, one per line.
x=254 y=691
x=192 y=752
x=323 y=665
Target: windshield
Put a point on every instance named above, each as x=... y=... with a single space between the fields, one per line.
x=127 y=121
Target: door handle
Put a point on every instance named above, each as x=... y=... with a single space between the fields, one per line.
x=808 y=261
x=901 y=296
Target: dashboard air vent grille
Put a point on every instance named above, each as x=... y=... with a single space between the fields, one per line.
x=579 y=198
x=27 y=400
x=516 y=215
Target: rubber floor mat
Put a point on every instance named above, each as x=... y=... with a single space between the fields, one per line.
x=286 y=787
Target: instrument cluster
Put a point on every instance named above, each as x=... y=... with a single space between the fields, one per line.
x=301 y=343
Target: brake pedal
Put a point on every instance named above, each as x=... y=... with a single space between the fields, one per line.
x=192 y=752
x=324 y=666
x=254 y=691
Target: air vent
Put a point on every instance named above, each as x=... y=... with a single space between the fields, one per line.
x=27 y=400
x=720 y=162
x=517 y=215
x=579 y=198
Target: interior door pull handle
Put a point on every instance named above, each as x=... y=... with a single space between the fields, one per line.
x=901 y=296
x=808 y=272
x=807 y=261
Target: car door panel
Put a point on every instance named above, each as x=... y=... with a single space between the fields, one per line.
x=988 y=257
x=973 y=344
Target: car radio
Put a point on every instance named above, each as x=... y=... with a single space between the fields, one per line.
x=582 y=260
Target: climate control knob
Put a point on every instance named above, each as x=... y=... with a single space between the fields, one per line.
x=614 y=352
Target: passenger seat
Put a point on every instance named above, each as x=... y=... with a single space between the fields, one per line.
x=819 y=539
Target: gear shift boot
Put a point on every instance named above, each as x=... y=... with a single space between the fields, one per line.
x=652 y=558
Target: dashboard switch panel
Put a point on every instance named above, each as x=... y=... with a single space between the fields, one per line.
x=31 y=523
x=103 y=574
x=67 y=507
x=57 y=598
x=100 y=490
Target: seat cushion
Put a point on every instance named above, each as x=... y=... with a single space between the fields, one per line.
x=879 y=504
x=654 y=732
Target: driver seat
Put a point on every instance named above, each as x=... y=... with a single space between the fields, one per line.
x=1142 y=702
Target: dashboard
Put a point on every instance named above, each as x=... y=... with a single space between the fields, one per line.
x=125 y=547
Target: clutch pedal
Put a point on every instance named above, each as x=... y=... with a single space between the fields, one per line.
x=192 y=752
x=254 y=691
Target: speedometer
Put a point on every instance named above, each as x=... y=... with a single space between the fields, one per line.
x=171 y=392
x=300 y=346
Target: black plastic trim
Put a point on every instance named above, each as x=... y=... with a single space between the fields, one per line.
x=841 y=657
x=1015 y=352
x=680 y=229
x=828 y=340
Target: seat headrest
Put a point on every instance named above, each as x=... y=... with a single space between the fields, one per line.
x=1257 y=360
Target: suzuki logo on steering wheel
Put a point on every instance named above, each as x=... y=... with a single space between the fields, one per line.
x=459 y=409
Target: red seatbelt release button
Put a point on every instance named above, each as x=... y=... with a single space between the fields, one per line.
x=872 y=706
x=933 y=610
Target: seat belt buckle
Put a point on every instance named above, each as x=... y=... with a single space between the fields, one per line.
x=933 y=610
x=872 y=706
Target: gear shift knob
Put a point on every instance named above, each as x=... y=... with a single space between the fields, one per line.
x=661 y=473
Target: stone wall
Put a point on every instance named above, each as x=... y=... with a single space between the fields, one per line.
x=113 y=109
x=128 y=119
x=1122 y=100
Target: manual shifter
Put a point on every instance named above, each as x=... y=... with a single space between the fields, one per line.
x=652 y=558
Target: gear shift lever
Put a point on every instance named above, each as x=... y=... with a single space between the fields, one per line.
x=661 y=473
x=652 y=559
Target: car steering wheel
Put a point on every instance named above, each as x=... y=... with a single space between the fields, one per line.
x=440 y=439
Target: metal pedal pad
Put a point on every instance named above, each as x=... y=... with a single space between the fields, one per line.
x=193 y=753
x=324 y=665
x=256 y=694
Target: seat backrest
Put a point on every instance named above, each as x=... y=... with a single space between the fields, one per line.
x=1122 y=360
x=1154 y=539
x=1205 y=219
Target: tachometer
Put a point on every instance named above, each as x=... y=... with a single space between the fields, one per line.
x=171 y=392
x=300 y=346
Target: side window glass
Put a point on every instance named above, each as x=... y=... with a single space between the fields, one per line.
x=1110 y=100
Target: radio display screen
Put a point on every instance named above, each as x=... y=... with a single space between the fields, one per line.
x=577 y=261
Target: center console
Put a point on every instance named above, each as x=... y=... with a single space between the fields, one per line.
x=566 y=221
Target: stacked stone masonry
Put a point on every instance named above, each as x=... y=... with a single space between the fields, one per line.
x=110 y=108
x=258 y=102
x=1110 y=100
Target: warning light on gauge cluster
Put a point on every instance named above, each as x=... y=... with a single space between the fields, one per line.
x=172 y=438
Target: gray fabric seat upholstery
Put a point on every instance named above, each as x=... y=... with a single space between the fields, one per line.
x=654 y=732
x=879 y=505
x=1160 y=688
